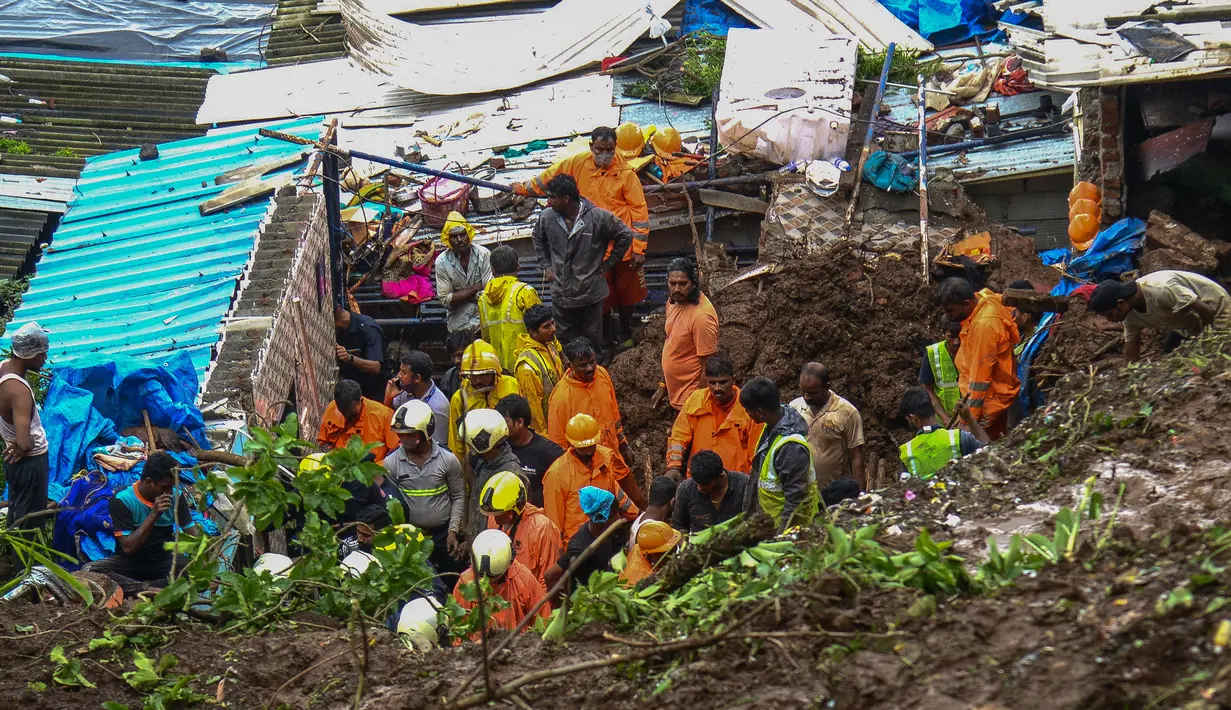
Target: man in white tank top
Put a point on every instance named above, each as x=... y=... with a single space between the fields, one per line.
x=25 y=441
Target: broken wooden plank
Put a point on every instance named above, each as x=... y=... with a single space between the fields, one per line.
x=255 y=171
x=1035 y=301
x=730 y=200
x=244 y=191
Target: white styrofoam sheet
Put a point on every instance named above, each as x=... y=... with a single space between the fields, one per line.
x=754 y=114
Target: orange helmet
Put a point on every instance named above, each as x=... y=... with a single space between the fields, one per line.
x=667 y=141
x=629 y=140
x=655 y=536
x=582 y=431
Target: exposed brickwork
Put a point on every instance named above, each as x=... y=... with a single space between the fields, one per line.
x=263 y=349
x=1102 y=154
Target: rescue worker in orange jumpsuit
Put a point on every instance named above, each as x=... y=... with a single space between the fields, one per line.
x=712 y=418
x=492 y=557
x=586 y=389
x=655 y=539
x=536 y=540
x=985 y=360
x=605 y=178
x=586 y=462
x=350 y=414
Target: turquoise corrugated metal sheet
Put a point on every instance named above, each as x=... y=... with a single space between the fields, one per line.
x=1039 y=156
x=134 y=268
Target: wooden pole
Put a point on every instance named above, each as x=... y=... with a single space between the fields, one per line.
x=868 y=136
x=923 y=181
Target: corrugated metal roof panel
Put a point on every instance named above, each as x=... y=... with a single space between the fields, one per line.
x=134 y=268
x=996 y=162
x=72 y=109
x=19 y=233
x=299 y=35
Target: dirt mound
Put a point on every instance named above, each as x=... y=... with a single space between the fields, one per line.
x=867 y=321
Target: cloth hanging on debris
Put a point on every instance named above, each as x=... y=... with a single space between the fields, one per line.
x=942 y=21
x=890 y=171
x=1110 y=254
x=712 y=16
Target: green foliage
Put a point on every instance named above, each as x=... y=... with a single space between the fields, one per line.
x=36 y=686
x=31 y=548
x=11 y=293
x=65 y=153
x=464 y=623
x=14 y=146
x=704 y=56
x=905 y=69
x=108 y=642
x=68 y=670
x=163 y=690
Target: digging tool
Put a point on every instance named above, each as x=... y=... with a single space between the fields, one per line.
x=413 y=167
x=961 y=403
x=869 y=135
x=923 y=180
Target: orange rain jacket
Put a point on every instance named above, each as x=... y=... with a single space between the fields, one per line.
x=519 y=588
x=566 y=477
x=536 y=540
x=615 y=189
x=596 y=398
x=697 y=428
x=372 y=427
x=985 y=360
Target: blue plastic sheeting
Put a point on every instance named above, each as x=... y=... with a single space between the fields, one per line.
x=1110 y=254
x=134 y=269
x=942 y=22
x=87 y=405
x=135 y=29
x=712 y=16
x=220 y=67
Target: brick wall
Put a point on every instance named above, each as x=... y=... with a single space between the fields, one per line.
x=280 y=333
x=1102 y=148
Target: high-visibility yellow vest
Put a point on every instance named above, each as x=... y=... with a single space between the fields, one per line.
x=944 y=372
x=547 y=366
x=927 y=453
x=769 y=489
x=502 y=323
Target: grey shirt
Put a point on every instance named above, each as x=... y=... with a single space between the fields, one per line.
x=483 y=471
x=793 y=463
x=451 y=277
x=576 y=256
x=434 y=494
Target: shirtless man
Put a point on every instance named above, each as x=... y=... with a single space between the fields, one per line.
x=25 y=441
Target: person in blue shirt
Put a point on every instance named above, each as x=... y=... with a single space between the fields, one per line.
x=414 y=381
x=144 y=517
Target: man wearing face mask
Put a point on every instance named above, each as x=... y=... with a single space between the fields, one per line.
x=712 y=418
x=605 y=178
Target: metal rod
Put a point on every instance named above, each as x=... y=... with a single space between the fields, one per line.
x=981 y=142
x=413 y=167
x=867 y=138
x=923 y=181
x=908 y=86
x=713 y=162
x=716 y=182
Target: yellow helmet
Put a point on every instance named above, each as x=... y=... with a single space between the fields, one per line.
x=313 y=463
x=418 y=622
x=655 y=536
x=667 y=141
x=503 y=492
x=485 y=429
x=480 y=358
x=582 y=431
x=414 y=417
x=629 y=140
x=406 y=532
x=492 y=553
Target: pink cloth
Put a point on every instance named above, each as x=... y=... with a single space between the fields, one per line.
x=413 y=289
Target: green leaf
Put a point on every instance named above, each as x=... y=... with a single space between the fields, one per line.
x=108 y=641
x=75 y=584
x=113 y=705
x=146 y=677
x=24 y=628
x=68 y=671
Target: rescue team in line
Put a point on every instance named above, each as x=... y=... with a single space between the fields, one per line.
x=516 y=463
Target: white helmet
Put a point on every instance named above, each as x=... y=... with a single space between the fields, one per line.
x=418 y=623
x=492 y=553
x=357 y=562
x=413 y=417
x=485 y=429
x=273 y=563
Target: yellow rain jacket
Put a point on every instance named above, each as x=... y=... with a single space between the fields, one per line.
x=538 y=368
x=502 y=310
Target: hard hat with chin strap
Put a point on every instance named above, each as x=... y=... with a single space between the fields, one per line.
x=485 y=429
x=480 y=358
x=414 y=417
x=502 y=493
x=419 y=621
x=492 y=553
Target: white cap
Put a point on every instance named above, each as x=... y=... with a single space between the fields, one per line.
x=29 y=341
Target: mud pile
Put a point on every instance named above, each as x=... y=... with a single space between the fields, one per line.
x=867 y=321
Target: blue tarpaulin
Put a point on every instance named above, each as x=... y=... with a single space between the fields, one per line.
x=942 y=22
x=712 y=16
x=1110 y=254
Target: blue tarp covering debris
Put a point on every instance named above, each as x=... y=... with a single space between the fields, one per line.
x=1110 y=254
x=942 y=22
x=712 y=16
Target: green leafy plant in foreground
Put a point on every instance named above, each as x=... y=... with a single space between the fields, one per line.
x=68 y=670
x=164 y=690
